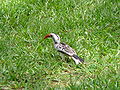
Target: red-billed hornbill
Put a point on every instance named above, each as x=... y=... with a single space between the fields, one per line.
x=64 y=48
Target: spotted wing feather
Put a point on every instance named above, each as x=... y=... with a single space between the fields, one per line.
x=66 y=49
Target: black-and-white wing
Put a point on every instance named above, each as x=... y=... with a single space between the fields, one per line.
x=66 y=49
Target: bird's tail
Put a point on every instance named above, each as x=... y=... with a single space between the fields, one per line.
x=77 y=59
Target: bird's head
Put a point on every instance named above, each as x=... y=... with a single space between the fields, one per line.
x=54 y=36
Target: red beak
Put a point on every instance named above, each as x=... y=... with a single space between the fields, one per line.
x=48 y=35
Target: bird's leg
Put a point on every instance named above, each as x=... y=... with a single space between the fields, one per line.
x=62 y=56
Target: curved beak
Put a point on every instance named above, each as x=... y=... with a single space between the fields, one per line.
x=47 y=36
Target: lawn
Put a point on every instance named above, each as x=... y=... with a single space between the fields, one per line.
x=91 y=27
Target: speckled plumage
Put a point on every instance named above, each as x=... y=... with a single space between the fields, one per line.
x=64 y=48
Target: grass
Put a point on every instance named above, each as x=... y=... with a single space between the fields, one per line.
x=91 y=27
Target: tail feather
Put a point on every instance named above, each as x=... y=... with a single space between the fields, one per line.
x=77 y=59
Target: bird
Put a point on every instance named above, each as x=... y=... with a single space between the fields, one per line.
x=64 y=48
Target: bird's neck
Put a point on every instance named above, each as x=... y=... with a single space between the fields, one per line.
x=56 y=41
